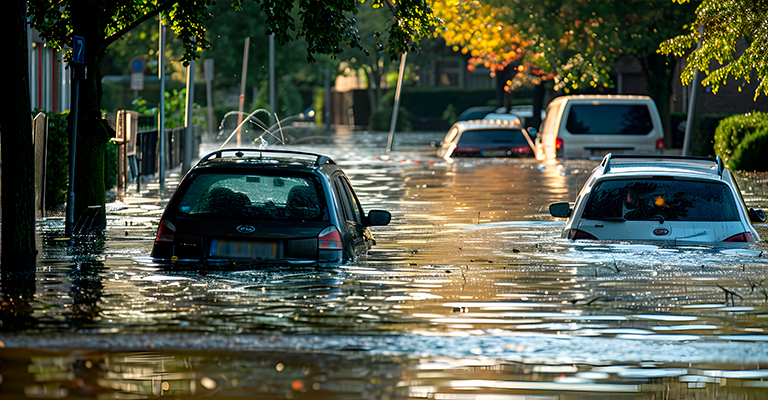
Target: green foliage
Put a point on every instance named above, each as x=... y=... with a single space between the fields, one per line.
x=287 y=97
x=725 y=25
x=382 y=120
x=449 y=115
x=732 y=131
x=110 y=165
x=102 y=23
x=175 y=108
x=703 y=134
x=749 y=155
x=57 y=161
x=424 y=108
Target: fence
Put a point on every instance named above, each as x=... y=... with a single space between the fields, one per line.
x=137 y=153
x=40 y=140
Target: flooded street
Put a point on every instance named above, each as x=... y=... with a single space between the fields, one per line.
x=469 y=293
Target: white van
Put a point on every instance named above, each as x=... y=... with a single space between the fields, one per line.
x=591 y=126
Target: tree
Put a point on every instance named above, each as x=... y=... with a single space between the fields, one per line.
x=325 y=25
x=16 y=150
x=724 y=24
x=575 y=43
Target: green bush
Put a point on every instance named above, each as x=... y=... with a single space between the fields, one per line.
x=749 y=155
x=732 y=130
x=703 y=134
x=57 y=161
x=110 y=165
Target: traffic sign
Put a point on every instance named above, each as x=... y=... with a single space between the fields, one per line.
x=78 y=50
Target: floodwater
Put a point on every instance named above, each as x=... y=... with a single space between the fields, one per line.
x=470 y=293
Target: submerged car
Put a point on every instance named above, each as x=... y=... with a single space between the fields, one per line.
x=660 y=199
x=485 y=138
x=247 y=205
x=591 y=126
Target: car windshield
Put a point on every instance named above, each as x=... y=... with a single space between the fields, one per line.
x=492 y=137
x=609 y=119
x=262 y=197
x=657 y=199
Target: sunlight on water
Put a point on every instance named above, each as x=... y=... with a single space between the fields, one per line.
x=470 y=293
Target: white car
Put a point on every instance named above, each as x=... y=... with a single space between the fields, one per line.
x=660 y=198
x=485 y=138
x=591 y=126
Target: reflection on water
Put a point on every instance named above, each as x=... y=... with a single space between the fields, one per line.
x=354 y=375
x=470 y=293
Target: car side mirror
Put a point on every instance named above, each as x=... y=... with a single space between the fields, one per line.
x=435 y=143
x=756 y=214
x=378 y=218
x=560 y=210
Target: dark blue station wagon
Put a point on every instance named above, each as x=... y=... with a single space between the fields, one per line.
x=251 y=206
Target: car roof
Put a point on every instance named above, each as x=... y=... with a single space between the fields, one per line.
x=264 y=158
x=627 y=165
x=488 y=124
x=604 y=97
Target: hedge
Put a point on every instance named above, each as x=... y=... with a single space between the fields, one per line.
x=423 y=108
x=732 y=131
x=57 y=161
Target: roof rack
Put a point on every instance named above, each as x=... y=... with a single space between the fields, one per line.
x=606 y=163
x=261 y=153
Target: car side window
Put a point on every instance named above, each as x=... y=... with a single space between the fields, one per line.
x=349 y=203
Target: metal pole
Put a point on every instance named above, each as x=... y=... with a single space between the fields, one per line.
x=242 y=89
x=692 y=105
x=161 y=108
x=397 y=102
x=70 y=217
x=327 y=106
x=189 y=129
x=208 y=69
x=272 y=79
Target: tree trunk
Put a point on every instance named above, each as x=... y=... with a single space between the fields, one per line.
x=17 y=190
x=92 y=132
x=658 y=71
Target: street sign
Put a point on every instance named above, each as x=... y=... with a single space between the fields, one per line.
x=78 y=50
x=137 y=81
x=138 y=64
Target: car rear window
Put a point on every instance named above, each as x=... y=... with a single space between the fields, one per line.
x=609 y=119
x=254 y=196
x=485 y=137
x=654 y=199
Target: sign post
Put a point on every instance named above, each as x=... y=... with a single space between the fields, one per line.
x=78 y=74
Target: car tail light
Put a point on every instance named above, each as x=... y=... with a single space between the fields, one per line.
x=466 y=151
x=165 y=232
x=579 y=234
x=741 y=237
x=329 y=239
x=660 y=144
x=520 y=150
x=558 y=143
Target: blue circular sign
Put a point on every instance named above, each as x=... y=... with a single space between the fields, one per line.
x=137 y=64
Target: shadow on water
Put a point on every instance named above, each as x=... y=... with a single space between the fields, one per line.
x=470 y=293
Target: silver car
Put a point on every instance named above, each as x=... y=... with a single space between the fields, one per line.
x=661 y=199
x=486 y=138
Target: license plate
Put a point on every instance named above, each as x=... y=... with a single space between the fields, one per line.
x=495 y=153
x=244 y=249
